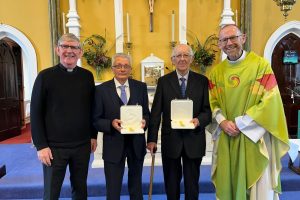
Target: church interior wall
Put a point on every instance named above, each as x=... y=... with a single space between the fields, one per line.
x=32 y=19
x=97 y=17
x=266 y=19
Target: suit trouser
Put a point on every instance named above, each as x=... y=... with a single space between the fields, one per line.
x=173 y=170
x=78 y=161
x=114 y=174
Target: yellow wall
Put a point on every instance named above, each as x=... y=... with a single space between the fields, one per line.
x=96 y=16
x=266 y=19
x=31 y=18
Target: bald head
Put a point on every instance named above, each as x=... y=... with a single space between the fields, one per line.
x=232 y=27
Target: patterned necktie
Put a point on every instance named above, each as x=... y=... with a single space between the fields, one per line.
x=123 y=95
x=182 y=87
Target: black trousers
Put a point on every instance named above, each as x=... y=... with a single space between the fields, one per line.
x=78 y=161
x=173 y=170
x=114 y=174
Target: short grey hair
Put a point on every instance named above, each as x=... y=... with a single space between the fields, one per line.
x=122 y=55
x=175 y=50
x=69 y=37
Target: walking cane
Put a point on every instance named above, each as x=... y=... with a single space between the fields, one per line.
x=151 y=175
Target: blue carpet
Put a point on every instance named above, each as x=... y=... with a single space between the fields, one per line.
x=24 y=178
x=208 y=196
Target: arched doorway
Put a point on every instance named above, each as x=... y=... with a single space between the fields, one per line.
x=11 y=88
x=287 y=38
x=288 y=78
x=28 y=61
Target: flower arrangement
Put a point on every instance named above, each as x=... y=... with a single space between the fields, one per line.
x=205 y=54
x=95 y=54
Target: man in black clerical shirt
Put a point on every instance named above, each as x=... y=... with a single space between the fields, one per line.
x=61 y=123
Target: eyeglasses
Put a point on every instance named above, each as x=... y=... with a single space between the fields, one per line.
x=65 y=47
x=119 y=66
x=185 y=56
x=232 y=39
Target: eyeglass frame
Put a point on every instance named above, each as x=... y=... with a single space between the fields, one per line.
x=66 y=47
x=119 y=66
x=233 y=38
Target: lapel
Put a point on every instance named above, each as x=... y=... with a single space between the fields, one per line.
x=175 y=84
x=190 y=83
x=132 y=90
x=113 y=93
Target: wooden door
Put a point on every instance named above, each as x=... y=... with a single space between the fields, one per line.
x=288 y=78
x=10 y=115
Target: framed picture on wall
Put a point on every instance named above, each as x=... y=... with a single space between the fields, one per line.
x=152 y=69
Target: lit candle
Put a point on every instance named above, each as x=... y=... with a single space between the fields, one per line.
x=173 y=26
x=64 y=23
x=128 y=28
x=236 y=17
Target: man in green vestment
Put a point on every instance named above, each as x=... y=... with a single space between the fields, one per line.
x=249 y=126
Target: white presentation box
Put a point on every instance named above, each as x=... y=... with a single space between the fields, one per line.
x=182 y=114
x=131 y=117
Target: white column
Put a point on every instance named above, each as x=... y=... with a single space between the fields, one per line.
x=227 y=14
x=182 y=21
x=73 y=22
x=73 y=19
x=226 y=18
x=119 y=25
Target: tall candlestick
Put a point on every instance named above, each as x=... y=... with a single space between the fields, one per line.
x=173 y=26
x=128 y=27
x=64 y=23
x=236 y=17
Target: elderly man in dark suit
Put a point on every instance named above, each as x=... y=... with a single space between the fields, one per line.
x=117 y=147
x=180 y=145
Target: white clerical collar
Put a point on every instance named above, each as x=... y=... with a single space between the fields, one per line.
x=243 y=56
x=67 y=69
x=117 y=83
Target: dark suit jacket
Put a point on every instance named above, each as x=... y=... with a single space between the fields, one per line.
x=107 y=108
x=173 y=140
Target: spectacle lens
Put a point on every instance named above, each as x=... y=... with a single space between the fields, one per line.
x=232 y=39
x=65 y=47
x=122 y=66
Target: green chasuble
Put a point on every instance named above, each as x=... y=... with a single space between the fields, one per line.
x=247 y=87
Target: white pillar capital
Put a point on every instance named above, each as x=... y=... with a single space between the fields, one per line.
x=226 y=16
x=119 y=25
x=73 y=22
x=182 y=21
x=73 y=19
